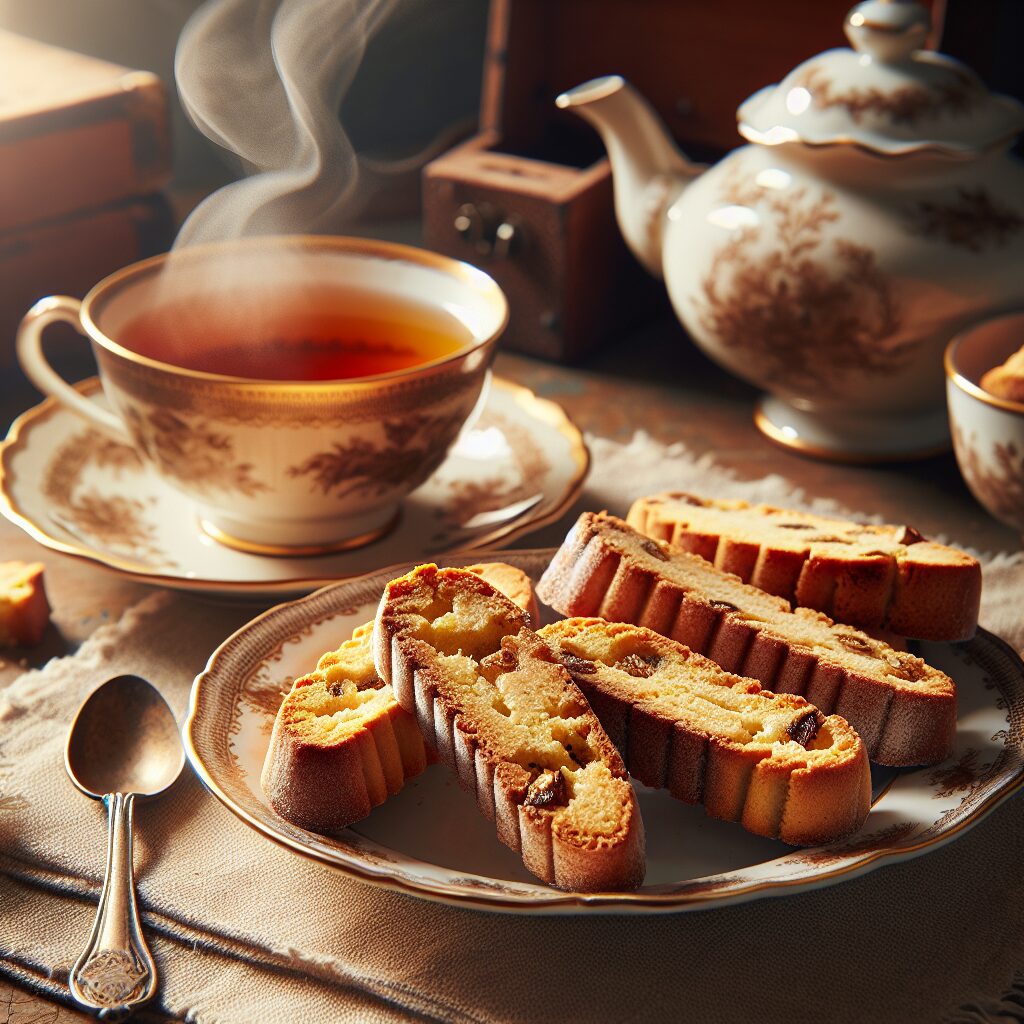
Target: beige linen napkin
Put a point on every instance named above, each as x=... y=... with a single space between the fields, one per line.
x=245 y=931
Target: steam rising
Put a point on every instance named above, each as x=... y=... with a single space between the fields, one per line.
x=265 y=80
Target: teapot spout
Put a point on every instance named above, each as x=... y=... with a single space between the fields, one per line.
x=648 y=171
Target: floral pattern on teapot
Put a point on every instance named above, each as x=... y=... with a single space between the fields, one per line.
x=773 y=313
x=972 y=220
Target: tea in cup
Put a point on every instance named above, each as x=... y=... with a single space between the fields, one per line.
x=296 y=388
x=988 y=431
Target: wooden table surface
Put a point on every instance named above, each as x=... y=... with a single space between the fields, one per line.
x=653 y=380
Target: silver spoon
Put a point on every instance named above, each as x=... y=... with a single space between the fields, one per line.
x=123 y=744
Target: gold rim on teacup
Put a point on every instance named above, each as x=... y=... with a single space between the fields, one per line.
x=956 y=375
x=987 y=429
x=101 y=293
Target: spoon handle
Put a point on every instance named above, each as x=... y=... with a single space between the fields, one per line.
x=116 y=972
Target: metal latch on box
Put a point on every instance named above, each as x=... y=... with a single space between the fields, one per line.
x=488 y=230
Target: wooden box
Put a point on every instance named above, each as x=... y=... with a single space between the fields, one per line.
x=529 y=198
x=76 y=133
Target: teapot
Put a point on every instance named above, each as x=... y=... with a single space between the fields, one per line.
x=874 y=213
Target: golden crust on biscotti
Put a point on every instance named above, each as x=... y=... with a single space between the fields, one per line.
x=903 y=709
x=508 y=719
x=341 y=744
x=24 y=609
x=772 y=762
x=872 y=577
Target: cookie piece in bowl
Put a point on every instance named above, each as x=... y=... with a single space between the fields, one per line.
x=1007 y=379
x=504 y=714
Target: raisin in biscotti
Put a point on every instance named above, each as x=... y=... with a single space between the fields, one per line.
x=770 y=761
x=341 y=744
x=904 y=710
x=507 y=717
x=874 y=577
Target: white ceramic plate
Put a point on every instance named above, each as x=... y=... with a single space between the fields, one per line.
x=75 y=490
x=431 y=841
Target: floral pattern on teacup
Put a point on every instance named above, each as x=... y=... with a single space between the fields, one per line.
x=414 y=448
x=997 y=479
x=190 y=451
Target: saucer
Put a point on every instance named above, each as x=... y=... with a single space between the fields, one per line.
x=75 y=490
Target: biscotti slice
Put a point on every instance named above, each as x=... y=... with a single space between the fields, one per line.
x=772 y=762
x=341 y=744
x=24 y=610
x=903 y=709
x=874 y=577
x=508 y=719
x=513 y=583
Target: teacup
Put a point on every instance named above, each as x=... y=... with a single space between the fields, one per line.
x=988 y=432
x=295 y=388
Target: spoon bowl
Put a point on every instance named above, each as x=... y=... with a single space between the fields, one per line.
x=124 y=739
x=123 y=745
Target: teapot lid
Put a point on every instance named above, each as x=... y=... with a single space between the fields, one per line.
x=886 y=94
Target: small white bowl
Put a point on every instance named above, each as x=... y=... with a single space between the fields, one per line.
x=988 y=432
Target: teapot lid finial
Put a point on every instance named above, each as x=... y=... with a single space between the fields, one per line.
x=888 y=30
x=886 y=95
